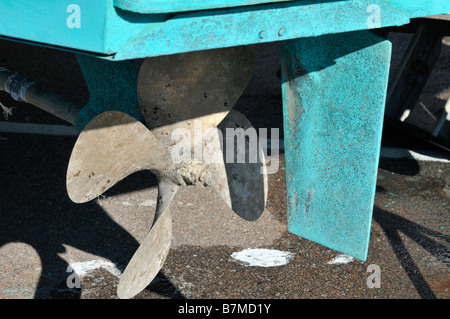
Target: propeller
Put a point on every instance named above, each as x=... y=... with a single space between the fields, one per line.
x=112 y=146
x=151 y=254
x=187 y=101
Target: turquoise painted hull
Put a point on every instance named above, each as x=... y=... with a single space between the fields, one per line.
x=128 y=29
x=102 y=28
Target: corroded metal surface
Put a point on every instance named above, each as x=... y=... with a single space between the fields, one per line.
x=111 y=147
x=176 y=90
x=203 y=88
x=114 y=145
x=243 y=186
x=334 y=91
x=148 y=260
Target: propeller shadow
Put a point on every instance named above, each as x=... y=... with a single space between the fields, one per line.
x=37 y=211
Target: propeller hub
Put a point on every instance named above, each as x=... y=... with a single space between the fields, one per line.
x=196 y=174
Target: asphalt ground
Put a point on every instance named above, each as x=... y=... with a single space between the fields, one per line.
x=43 y=232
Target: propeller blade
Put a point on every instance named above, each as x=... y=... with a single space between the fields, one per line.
x=112 y=146
x=175 y=90
x=240 y=176
x=151 y=254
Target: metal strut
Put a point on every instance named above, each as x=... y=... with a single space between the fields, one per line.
x=22 y=89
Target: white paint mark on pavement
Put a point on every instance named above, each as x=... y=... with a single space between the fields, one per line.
x=341 y=259
x=85 y=267
x=263 y=257
x=148 y=203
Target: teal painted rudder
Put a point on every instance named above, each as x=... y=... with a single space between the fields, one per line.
x=334 y=91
